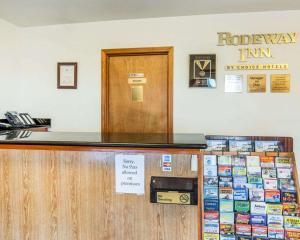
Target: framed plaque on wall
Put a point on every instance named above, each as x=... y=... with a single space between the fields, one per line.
x=67 y=75
x=203 y=70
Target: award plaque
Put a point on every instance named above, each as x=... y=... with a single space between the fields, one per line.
x=203 y=70
x=280 y=83
x=256 y=83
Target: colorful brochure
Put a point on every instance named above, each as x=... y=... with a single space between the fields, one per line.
x=240 y=146
x=292 y=222
x=284 y=173
x=289 y=197
x=226 y=205
x=258 y=208
x=211 y=181
x=254 y=171
x=243 y=229
x=267 y=146
x=242 y=218
x=271 y=183
x=253 y=161
x=276 y=232
x=226 y=193
x=257 y=195
x=210 y=171
x=240 y=194
x=268 y=173
x=217 y=145
x=283 y=162
x=274 y=209
x=239 y=171
x=211 y=192
x=242 y=206
x=258 y=219
x=227 y=218
x=210 y=160
x=267 y=162
x=259 y=231
x=211 y=226
x=224 y=160
x=272 y=196
x=275 y=220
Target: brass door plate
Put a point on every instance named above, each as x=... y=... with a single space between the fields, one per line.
x=137 y=93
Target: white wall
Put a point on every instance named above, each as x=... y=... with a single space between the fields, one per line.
x=9 y=68
x=195 y=110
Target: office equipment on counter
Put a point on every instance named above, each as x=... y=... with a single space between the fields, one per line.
x=19 y=119
x=5 y=126
x=14 y=121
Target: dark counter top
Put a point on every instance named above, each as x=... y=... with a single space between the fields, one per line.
x=184 y=141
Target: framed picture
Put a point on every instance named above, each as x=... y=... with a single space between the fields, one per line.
x=203 y=70
x=67 y=75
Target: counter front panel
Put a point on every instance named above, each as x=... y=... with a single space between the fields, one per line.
x=63 y=186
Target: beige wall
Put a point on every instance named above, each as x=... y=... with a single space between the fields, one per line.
x=195 y=110
x=9 y=67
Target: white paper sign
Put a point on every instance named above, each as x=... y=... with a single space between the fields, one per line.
x=130 y=174
x=234 y=83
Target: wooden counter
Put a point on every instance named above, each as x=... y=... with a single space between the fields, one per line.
x=68 y=192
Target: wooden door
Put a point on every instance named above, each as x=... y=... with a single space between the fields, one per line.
x=137 y=90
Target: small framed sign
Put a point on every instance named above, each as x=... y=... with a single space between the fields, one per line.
x=67 y=75
x=234 y=83
x=256 y=83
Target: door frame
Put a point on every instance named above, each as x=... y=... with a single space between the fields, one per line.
x=107 y=53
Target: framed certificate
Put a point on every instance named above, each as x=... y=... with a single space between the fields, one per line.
x=234 y=83
x=67 y=75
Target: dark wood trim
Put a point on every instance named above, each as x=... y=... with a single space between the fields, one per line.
x=170 y=89
x=200 y=196
x=104 y=91
x=106 y=53
x=75 y=75
x=296 y=178
x=99 y=149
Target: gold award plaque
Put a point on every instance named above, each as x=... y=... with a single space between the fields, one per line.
x=280 y=83
x=256 y=83
x=137 y=94
x=174 y=198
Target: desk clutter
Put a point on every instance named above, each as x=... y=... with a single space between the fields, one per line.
x=250 y=195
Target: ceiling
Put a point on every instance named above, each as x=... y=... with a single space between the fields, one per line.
x=49 y=12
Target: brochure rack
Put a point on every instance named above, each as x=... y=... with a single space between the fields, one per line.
x=286 y=151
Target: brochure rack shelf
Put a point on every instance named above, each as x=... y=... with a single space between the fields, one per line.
x=286 y=144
